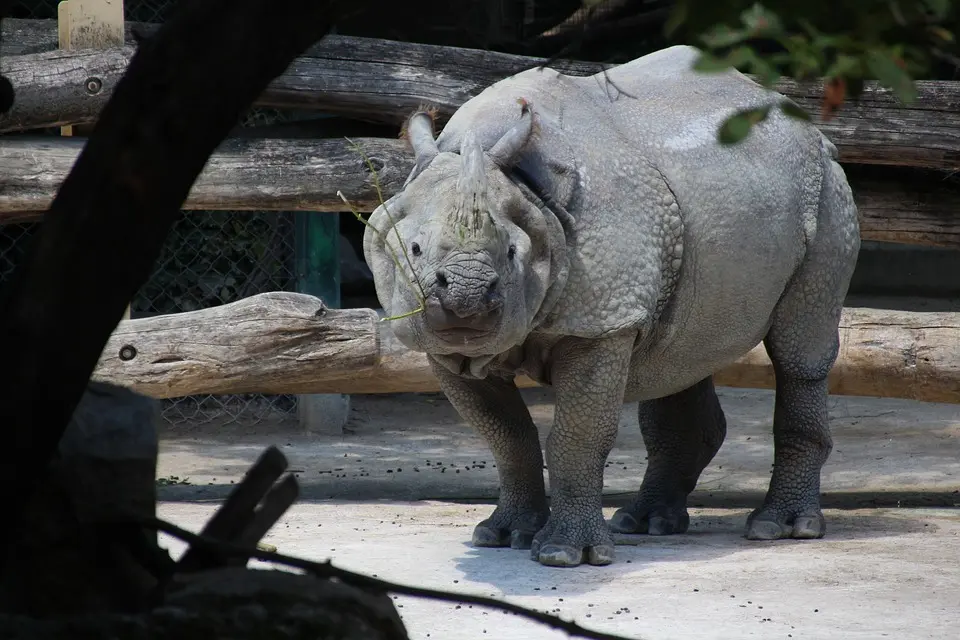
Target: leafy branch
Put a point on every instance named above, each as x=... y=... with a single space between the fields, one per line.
x=417 y=288
x=844 y=42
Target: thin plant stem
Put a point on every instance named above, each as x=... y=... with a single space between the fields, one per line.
x=383 y=202
x=421 y=298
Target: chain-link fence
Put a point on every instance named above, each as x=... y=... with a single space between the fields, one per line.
x=210 y=258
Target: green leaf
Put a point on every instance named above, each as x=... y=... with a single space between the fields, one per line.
x=737 y=127
x=939 y=8
x=768 y=74
x=742 y=56
x=792 y=110
x=761 y=21
x=805 y=59
x=709 y=63
x=844 y=66
x=723 y=36
x=890 y=75
x=734 y=129
x=757 y=115
x=942 y=33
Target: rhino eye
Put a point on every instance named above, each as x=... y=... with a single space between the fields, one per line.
x=512 y=251
x=415 y=248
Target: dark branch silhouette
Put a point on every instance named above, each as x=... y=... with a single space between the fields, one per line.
x=327 y=570
x=182 y=93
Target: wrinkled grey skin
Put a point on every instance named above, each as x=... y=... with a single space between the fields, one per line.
x=653 y=258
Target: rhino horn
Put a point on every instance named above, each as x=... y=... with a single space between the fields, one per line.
x=419 y=131
x=472 y=216
x=509 y=146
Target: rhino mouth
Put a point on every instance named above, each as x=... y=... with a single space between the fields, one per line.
x=462 y=328
x=461 y=334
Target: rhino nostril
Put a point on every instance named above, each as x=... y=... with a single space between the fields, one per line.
x=492 y=284
x=441 y=278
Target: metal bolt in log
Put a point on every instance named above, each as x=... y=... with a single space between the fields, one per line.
x=93 y=85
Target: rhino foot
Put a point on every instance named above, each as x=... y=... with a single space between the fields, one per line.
x=510 y=527
x=771 y=524
x=658 y=520
x=558 y=546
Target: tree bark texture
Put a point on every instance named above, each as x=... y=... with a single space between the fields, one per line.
x=305 y=175
x=291 y=343
x=384 y=81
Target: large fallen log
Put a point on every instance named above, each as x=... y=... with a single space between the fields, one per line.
x=305 y=175
x=383 y=81
x=290 y=343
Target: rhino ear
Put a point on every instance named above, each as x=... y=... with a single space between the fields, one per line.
x=507 y=149
x=418 y=130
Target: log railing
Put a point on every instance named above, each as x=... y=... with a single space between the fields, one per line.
x=305 y=175
x=289 y=343
x=383 y=81
x=900 y=161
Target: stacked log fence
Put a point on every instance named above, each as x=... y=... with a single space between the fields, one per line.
x=901 y=162
x=211 y=257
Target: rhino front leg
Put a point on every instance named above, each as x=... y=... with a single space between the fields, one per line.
x=589 y=377
x=495 y=408
x=682 y=432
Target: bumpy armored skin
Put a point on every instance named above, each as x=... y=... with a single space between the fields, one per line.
x=592 y=234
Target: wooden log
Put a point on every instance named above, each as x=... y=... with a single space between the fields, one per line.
x=63 y=87
x=383 y=81
x=290 y=343
x=305 y=175
x=243 y=174
x=905 y=205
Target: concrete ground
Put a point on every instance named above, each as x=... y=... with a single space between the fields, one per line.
x=398 y=495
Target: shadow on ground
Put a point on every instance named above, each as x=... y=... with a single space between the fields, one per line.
x=711 y=536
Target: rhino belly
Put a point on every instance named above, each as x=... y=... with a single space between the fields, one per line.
x=690 y=358
x=721 y=309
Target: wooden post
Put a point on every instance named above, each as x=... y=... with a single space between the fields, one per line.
x=90 y=24
x=317 y=239
x=317 y=250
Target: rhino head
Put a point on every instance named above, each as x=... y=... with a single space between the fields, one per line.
x=484 y=254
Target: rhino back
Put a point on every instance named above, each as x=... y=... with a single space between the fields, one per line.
x=749 y=210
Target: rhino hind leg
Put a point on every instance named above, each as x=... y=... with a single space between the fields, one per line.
x=682 y=432
x=495 y=408
x=803 y=343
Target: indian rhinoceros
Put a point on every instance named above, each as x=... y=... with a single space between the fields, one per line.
x=592 y=234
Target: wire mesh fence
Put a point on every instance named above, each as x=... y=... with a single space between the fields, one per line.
x=210 y=258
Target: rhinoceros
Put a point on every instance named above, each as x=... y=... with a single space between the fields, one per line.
x=592 y=234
